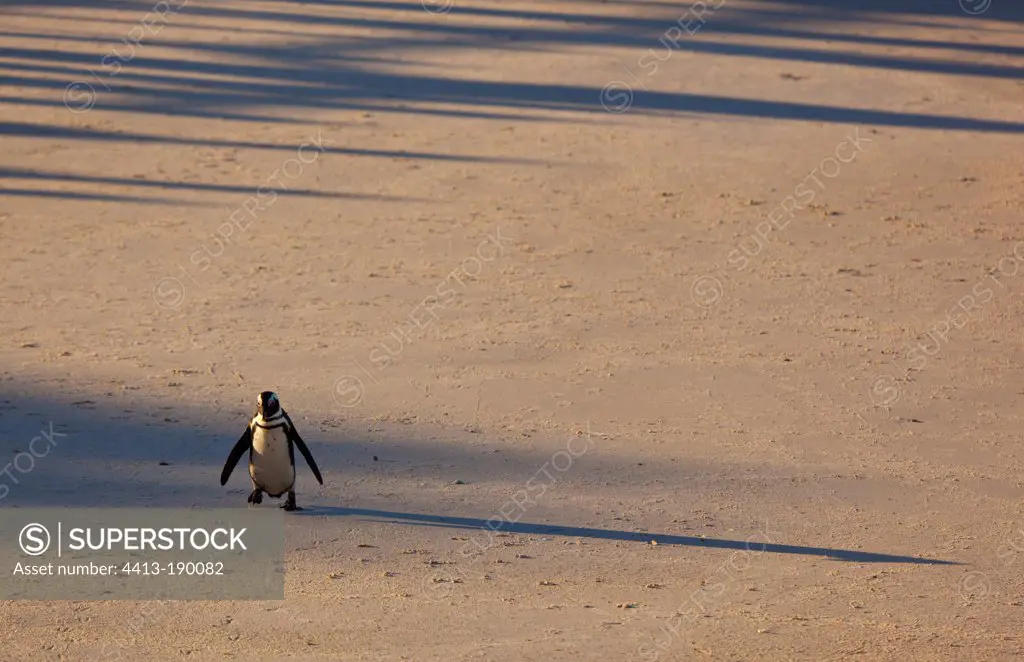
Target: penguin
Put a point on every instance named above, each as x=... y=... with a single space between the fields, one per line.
x=271 y=438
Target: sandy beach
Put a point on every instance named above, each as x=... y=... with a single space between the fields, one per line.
x=714 y=309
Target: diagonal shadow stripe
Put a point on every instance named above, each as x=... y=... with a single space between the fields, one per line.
x=419 y=519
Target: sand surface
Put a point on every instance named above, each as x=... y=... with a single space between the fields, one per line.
x=753 y=294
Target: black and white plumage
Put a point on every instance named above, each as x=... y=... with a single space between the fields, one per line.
x=271 y=439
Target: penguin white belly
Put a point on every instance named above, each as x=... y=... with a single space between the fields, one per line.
x=271 y=465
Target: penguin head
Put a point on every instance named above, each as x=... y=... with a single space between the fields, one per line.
x=267 y=404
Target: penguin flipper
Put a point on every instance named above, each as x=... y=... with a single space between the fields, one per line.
x=293 y=434
x=243 y=444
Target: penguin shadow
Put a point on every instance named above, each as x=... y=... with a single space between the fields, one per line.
x=646 y=538
x=107 y=455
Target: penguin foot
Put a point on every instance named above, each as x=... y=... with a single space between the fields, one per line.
x=289 y=504
x=256 y=497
